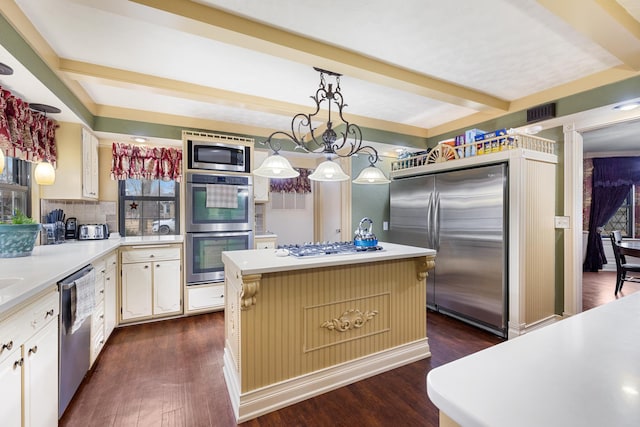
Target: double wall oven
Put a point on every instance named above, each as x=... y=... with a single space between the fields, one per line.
x=219 y=217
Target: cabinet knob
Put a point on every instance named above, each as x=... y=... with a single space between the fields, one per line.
x=146 y=266
x=151 y=256
x=108 y=278
x=8 y=345
x=157 y=265
x=33 y=350
x=102 y=291
x=49 y=313
x=18 y=363
x=102 y=316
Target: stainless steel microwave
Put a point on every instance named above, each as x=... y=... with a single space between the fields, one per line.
x=218 y=156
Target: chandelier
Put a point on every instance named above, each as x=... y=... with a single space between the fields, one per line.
x=328 y=143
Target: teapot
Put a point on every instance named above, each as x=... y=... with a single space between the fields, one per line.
x=365 y=237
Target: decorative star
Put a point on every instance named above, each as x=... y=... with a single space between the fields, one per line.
x=133 y=206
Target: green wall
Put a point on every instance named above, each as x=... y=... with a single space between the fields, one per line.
x=370 y=201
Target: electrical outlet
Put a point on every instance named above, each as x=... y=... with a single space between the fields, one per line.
x=385 y=225
x=562 y=221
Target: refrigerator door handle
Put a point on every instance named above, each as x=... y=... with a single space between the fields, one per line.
x=436 y=222
x=429 y=215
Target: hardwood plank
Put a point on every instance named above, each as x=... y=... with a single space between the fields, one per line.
x=170 y=373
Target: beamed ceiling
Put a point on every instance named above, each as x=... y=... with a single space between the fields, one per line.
x=411 y=68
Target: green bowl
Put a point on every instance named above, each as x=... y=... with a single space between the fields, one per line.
x=17 y=240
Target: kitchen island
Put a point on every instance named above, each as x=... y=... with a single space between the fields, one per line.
x=581 y=371
x=299 y=327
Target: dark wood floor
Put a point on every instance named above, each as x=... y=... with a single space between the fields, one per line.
x=170 y=374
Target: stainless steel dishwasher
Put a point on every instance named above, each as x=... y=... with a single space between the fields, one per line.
x=77 y=299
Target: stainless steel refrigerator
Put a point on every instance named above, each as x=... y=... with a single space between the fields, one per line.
x=461 y=214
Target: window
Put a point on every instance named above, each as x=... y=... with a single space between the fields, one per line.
x=15 y=191
x=149 y=207
x=623 y=219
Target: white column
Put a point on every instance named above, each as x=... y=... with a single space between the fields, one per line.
x=573 y=177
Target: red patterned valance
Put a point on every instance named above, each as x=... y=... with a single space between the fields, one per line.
x=24 y=133
x=143 y=162
x=301 y=184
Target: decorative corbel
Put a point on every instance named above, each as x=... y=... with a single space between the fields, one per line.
x=250 y=287
x=423 y=265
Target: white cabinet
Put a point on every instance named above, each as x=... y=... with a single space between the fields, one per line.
x=89 y=165
x=110 y=286
x=40 y=354
x=77 y=165
x=205 y=298
x=260 y=183
x=29 y=364
x=151 y=282
x=11 y=387
x=265 y=242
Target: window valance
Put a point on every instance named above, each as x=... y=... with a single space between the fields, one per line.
x=144 y=162
x=300 y=184
x=26 y=134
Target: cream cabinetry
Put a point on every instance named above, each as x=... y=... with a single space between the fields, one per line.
x=260 y=183
x=265 y=242
x=103 y=319
x=77 y=164
x=89 y=165
x=29 y=364
x=151 y=282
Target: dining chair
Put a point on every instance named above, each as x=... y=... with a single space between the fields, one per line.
x=622 y=266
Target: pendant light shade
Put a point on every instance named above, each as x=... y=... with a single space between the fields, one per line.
x=44 y=173
x=276 y=166
x=1 y=160
x=328 y=171
x=371 y=175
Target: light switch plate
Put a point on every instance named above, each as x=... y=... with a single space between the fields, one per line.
x=562 y=221
x=385 y=225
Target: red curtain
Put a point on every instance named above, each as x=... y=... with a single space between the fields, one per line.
x=143 y=162
x=24 y=133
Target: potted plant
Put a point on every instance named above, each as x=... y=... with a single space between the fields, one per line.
x=18 y=236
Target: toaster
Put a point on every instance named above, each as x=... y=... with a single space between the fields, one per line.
x=93 y=232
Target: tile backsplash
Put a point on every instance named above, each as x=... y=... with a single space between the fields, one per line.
x=86 y=212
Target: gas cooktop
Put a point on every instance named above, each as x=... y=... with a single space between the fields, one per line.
x=327 y=248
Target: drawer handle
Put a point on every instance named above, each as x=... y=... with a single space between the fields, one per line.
x=33 y=350
x=8 y=346
x=18 y=363
x=49 y=313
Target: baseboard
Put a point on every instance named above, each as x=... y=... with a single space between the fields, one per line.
x=533 y=326
x=252 y=404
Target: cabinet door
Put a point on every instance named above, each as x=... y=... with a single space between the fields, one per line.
x=167 y=287
x=110 y=300
x=40 y=354
x=89 y=165
x=136 y=291
x=11 y=389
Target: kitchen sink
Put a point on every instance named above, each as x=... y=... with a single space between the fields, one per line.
x=6 y=282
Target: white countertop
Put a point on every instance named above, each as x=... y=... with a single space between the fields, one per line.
x=260 y=261
x=50 y=263
x=582 y=371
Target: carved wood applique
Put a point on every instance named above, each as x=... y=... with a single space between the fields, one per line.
x=250 y=288
x=350 y=319
x=423 y=265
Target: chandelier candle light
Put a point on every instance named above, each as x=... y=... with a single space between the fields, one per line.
x=276 y=166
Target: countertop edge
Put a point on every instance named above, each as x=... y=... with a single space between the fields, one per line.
x=36 y=283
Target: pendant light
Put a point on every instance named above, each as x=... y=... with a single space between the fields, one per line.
x=44 y=173
x=328 y=171
x=371 y=175
x=276 y=166
x=328 y=143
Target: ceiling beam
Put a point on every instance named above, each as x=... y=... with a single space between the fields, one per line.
x=605 y=22
x=228 y=28
x=83 y=71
